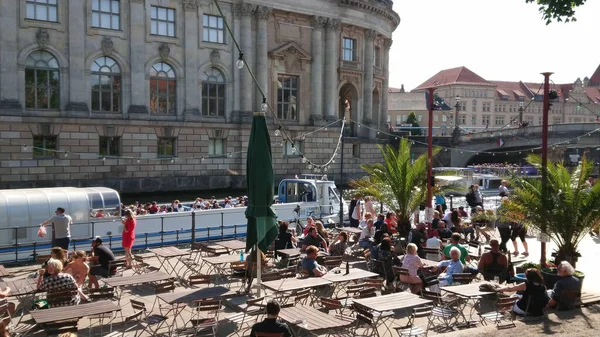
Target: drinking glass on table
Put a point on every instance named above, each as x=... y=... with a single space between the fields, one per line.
x=496 y=279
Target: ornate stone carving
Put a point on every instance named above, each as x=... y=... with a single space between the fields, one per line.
x=107 y=46
x=164 y=51
x=292 y=56
x=215 y=57
x=242 y=9
x=351 y=31
x=292 y=60
x=333 y=24
x=190 y=5
x=318 y=22
x=370 y=34
x=387 y=43
x=42 y=38
x=262 y=12
x=350 y=79
x=288 y=17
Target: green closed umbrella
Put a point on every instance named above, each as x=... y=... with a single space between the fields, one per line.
x=262 y=220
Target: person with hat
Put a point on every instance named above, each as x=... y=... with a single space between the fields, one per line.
x=101 y=255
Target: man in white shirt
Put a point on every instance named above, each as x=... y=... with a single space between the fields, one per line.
x=367 y=234
x=503 y=189
x=433 y=242
x=61 y=231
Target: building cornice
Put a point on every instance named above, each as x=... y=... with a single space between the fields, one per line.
x=379 y=7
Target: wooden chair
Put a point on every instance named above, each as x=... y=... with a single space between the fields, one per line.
x=266 y=277
x=432 y=254
x=164 y=287
x=443 y=309
x=332 y=262
x=210 y=322
x=376 y=283
x=211 y=250
x=462 y=278
x=289 y=272
x=60 y=298
x=293 y=260
x=353 y=289
x=299 y=297
x=58 y=328
x=253 y=310
x=195 y=280
x=151 y=322
x=403 y=279
x=20 y=329
x=116 y=268
x=98 y=294
x=140 y=266
x=366 y=293
x=504 y=306
x=410 y=330
x=369 y=320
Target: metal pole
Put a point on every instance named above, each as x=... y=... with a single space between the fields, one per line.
x=429 y=212
x=193 y=228
x=342 y=178
x=545 y=158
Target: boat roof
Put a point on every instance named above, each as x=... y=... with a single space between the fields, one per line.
x=453 y=169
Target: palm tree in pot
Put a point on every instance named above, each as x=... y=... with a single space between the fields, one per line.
x=569 y=213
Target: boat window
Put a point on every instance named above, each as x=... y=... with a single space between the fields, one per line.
x=111 y=200
x=307 y=192
x=333 y=196
x=95 y=200
x=292 y=192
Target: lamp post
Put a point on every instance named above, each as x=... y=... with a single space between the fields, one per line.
x=429 y=209
x=521 y=113
x=456 y=131
x=545 y=159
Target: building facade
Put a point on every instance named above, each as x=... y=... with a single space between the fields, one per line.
x=145 y=95
x=496 y=104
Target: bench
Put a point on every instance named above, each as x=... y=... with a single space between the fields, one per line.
x=588 y=299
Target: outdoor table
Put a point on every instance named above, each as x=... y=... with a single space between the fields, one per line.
x=164 y=254
x=288 y=252
x=315 y=322
x=74 y=312
x=351 y=230
x=280 y=287
x=342 y=279
x=467 y=292
x=426 y=263
x=23 y=290
x=137 y=279
x=3 y=272
x=232 y=245
x=218 y=263
x=392 y=302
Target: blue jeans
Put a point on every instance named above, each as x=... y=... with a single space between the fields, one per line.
x=365 y=244
x=62 y=243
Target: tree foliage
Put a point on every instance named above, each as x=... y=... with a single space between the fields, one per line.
x=570 y=211
x=398 y=182
x=414 y=122
x=559 y=10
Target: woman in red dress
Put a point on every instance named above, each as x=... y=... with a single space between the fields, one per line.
x=128 y=236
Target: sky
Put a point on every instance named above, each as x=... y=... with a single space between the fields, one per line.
x=500 y=40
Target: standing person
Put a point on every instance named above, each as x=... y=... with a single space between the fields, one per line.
x=478 y=196
x=61 y=229
x=503 y=189
x=103 y=256
x=351 y=208
x=369 y=205
x=470 y=196
x=440 y=200
x=503 y=226
x=518 y=230
x=356 y=214
x=128 y=236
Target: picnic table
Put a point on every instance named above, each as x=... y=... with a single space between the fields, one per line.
x=23 y=290
x=341 y=279
x=232 y=245
x=312 y=320
x=74 y=312
x=3 y=271
x=392 y=302
x=218 y=263
x=282 y=286
x=165 y=254
x=288 y=252
x=155 y=276
x=467 y=293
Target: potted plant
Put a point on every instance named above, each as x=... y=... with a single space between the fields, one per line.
x=568 y=212
x=485 y=218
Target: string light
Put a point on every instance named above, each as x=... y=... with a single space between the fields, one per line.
x=66 y=154
x=240 y=61
x=303 y=160
x=264 y=106
x=103 y=158
x=138 y=160
x=172 y=161
x=278 y=132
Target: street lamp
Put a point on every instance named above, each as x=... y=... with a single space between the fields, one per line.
x=430 y=180
x=456 y=132
x=521 y=114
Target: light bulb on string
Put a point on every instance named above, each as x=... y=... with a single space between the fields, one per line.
x=278 y=132
x=293 y=149
x=333 y=161
x=66 y=154
x=202 y=159
x=230 y=155
x=240 y=61
x=103 y=158
x=304 y=160
x=264 y=106
x=310 y=166
x=325 y=128
x=138 y=160
x=172 y=161
x=24 y=147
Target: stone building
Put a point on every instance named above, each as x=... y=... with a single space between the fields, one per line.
x=145 y=95
x=492 y=105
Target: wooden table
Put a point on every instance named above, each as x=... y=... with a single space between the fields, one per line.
x=351 y=230
x=74 y=312
x=3 y=271
x=156 y=276
x=22 y=287
x=196 y=295
x=164 y=254
x=468 y=293
x=232 y=244
x=341 y=279
x=217 y=263
x=426 y=263
x=311 y=320
x=288 y=252
x=281 y=287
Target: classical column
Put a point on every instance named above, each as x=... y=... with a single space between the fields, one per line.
x=247 y=87
x=368 y=80
x=190 y=50
x=387 y=43
x=262 y=14
x=9 y=17
x=137 y=57
x=316 y=70
x=236 y=73
x=78 y=94
x=331 y=75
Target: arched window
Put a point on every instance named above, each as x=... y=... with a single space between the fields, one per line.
x=213 y=93
x=106 y=85
x=42 y=85
x=162 y=89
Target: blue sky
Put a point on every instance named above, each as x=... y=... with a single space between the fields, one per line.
x=498 y=39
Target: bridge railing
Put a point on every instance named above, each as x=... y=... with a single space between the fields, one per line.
x=553 y=130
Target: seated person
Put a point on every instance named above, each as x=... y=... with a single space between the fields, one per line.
x=56 y=253
x=11 y=306
x=367 y=234
x=534 y=297
x=388 y=258
x=379 y=234
x=453 y=266
x=412 y=262
x=418 y=237
x=338 y=248
x=464 y=253
x=444 y=232
x=313 y=239
x=391 y=222
x=567 y=282
x=77 y=267
x=58 y=282
x=285 y=239
x=493 y=263
x=433 y=242
x=380 y=222
x=310 y=265
x=310 y=223
x=270 y=324
x=103 y=256
x=462 y=213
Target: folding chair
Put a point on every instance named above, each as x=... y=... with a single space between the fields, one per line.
x=20 y=329
x=353 y=289
x=58 y=328
x=432 y=254
x=211 y=321
x=366 y=293
x=60 y=298
x=142 y=267
x=410 y=330
x=462 y=278
x=195 y=280
x=164 y=287
x=332 y=262
x=116 y=268
x=289 y=272
x=404 y=280
x=443 y=310
x=372 y=321
x=239 y=270
x=254 y=308
x=337 y=305
x=293 y=260
x=266 y=277
x=299 y=297
x=152 y=322
x=503 y=311
x=375 y=283
x=98 y=294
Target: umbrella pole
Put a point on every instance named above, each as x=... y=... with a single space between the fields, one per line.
x=258 y=268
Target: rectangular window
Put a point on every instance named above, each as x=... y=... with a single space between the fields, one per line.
x=529 y=120
x=499 y=121
x=287 y=97
x=44 y=146
x=109 y=146
x=462 y=119
x=420 y=118
x=556 y=120
x=474 y=120
x=212 y=29
x=348 y=49
x=106 y=14
x=436 y=118
x=388 y=118
x=444 y=118
x=162 y=21
x=464 y=107
x=399 y=119
x=485 y=120
x=293 y=150
x=42 y=10
x=377 y=56
x=167 y=147
x=539 y=120
x=356 y=150
x=216 y=147
x=474 y=107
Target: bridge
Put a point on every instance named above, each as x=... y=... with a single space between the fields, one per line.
x=516 y=142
